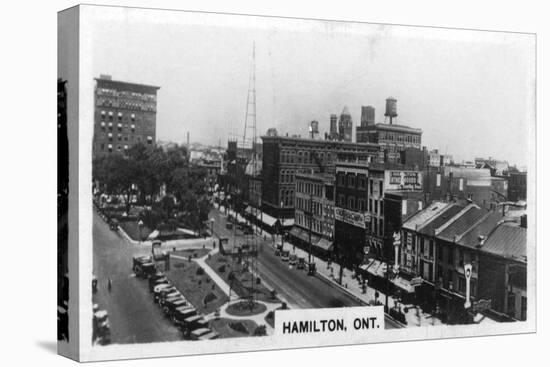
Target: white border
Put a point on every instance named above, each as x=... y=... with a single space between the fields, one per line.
x=87 y=352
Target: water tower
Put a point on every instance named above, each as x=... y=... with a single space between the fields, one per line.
x=391 y=108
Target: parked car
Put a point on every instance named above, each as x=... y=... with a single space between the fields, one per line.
x=101 y=328
x=301 y=263
x=293 y=260
x=229 y=225
x=181 y=313
x=285 y=255
x=155 y=280
x=194 y=322
x=171 y=304
x=211 y=335
x=160 y=287
x=196 y=334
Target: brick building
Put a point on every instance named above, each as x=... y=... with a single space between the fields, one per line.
x=360 y=217
x=314 y=213
x=124 y=114
x=284 y=157
x=440 y=241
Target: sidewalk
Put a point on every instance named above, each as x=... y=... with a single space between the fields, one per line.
x=353 y=287
x=415 y=316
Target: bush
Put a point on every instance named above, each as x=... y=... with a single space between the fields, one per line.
x=209 y=298
x=260 y=331
x=200 y=271
x=221 y=269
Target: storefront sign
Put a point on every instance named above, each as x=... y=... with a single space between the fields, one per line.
x=349 y=217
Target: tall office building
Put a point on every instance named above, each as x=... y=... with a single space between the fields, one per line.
x=345 y=125
x=125 y=114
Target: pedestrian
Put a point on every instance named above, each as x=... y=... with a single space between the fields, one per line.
x=109 y=284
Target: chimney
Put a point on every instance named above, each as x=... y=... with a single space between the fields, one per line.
x=480 y=241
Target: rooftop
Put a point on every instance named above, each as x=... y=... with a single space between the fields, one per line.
x=423 y=216
x=396 y=127
x=440 y=219
x=509 y=241
x=481 y=228
x=463 y=223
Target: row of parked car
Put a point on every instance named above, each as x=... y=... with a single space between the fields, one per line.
x=174 y=305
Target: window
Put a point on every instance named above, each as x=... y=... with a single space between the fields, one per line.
x=438 y=180
x=370 y=187
x=460 y=257
x=450 y=278
x=381 y=207
x=370 y=205
x=450 y=256
x=102 y=146
x=351 y=203
x=110 y=147
x=351 y=180
x=375 y=206
x=380 y=188
x=380 y=227
x=362 y=205
x=341 y=201
x=462 y=284
x=362 y=182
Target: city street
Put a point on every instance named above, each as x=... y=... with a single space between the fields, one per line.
x=295 y=286
x=133 y=315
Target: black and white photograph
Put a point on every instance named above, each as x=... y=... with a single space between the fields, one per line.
x=249 y=183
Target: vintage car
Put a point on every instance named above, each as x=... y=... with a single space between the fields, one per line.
x=285 y=255
x=197 y=333
x=211 y=335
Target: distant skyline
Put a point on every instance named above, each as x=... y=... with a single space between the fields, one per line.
x=472 y=93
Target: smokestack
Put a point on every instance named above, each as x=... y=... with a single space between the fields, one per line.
x=188 y=139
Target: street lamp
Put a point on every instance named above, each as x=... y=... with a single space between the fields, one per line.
x=468 y=275
x=140 y=226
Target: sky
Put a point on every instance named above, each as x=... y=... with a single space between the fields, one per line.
x=472 y=93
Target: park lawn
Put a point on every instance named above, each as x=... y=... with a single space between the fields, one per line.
x=222 y=327
x=244 y=279
x=132 y=229
x=195 y=288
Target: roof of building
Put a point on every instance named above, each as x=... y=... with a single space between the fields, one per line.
x=509 y=241
x=318 y=142
x=463 y=223
x=426 y=215
x=468 y=173
x=396 y=127
x=440 y=219
x=482 y=228
x=345 y=111
x=118 y=84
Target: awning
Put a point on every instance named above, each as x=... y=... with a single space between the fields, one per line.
x=324 y=244
x=288 y=222
x=376 y=268
x=267 y=219
x=403 y=284
x=303 y=235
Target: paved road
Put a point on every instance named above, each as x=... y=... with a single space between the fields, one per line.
x=133 y=315
x=301 y=290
